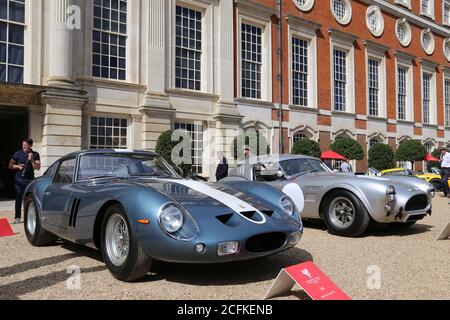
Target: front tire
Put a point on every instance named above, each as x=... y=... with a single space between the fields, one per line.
x=36 y=236
x=121 y=251
x=437 y=184
x=344 y=214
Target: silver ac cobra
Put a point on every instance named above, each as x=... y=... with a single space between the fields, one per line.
x=346 y=202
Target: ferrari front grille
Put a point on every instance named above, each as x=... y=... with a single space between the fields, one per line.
x=419 y=202
x=265 y=242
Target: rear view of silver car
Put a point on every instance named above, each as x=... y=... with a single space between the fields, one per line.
x=346 y=202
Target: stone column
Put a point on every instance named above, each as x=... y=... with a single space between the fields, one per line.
x=62 y=129
x=60 y=54
x=156 y=109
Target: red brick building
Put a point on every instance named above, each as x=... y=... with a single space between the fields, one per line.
x=376 y=71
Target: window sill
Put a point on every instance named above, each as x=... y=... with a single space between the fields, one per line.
x=426 y=15
x=429 y=126
x=344 y=114
x=254 y=102
x=407 y=122
x=192 y=94
x=376 y=118
x=111 y=82
x=301 y=108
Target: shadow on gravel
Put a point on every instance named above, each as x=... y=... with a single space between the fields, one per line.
x=234 y=273
x=377 y=230
x=30 y=265
x=383 y=230
x=13 y=290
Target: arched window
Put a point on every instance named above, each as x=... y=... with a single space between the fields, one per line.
x=429 y=146
x=374 y=141
x=299 y=136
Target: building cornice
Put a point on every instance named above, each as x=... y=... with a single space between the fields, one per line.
x=402 y=12
x=404 y=56
x=342 y=36
x=375 y=47
x=428 y=64
x=255 y=9
x=302 y=24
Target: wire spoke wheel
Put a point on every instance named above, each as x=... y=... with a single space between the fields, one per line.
x=117 y=240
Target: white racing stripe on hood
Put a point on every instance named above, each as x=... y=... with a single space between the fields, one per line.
x=235 y=204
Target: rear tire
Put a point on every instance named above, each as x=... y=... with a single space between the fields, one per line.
x=344 y=214
x=121 y=251
x=36 y=235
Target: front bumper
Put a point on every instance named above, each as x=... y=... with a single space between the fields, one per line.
x=176 y=251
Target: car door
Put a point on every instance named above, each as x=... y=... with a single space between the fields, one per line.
x=56 y=198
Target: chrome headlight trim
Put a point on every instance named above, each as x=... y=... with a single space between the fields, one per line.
x=187 y=225
x=287 y=205
x=390 y=193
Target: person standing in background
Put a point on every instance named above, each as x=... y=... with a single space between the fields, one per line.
x=25 y=162
x=445 y=165
x=346 y=166
x=222 y=167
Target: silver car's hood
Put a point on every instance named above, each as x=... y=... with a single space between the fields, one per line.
x=397 y=181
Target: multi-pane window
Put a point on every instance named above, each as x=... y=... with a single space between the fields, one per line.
x=429 y=147
x=251 y=51
x=401 y=92
x=188 y=50
x=12 y=31
x=426 y=7
x=300 y=71
x=373 y=142
x=374 y=86
x=446 y=12
x=340 y=79
x=426 y=99
x=108 y=133
x=339 y=9
x=195 y=130
x=447 y=102
x=109 y=39
x=300 y=137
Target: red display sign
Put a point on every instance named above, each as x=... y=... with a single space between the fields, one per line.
x=313 y=281
x=5 y=228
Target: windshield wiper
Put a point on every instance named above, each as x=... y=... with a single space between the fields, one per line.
x=104 y=176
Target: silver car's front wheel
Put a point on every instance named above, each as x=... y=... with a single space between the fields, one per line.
x=117 y=240
x=342 y=212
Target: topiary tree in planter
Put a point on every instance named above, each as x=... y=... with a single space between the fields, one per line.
x=164 y=147
x=349 y=148
x=381 y=157
x=411 y=150
x=252 y=138
x=307 y=147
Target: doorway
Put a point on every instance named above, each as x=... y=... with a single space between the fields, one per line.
x=13 y=128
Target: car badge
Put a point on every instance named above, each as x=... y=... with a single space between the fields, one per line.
x=242 y=206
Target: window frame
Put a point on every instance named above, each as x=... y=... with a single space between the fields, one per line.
x=377 y=52
x=266 y=47
x=26 y=40
x=348 y=16
x=406 y=62
x=91 y=29
x=59 y=168
x=431 y=12
x=302 y=31
x=446 y=78
x=426 y=69
x=404 y=3
x=379 y=32
x=445 y=4
x=116 y=116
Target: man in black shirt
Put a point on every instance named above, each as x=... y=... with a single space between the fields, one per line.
x=25 y=162
x=222 y=168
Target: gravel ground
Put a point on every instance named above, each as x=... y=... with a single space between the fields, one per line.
x=413 y=266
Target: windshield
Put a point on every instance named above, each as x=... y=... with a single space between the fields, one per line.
x=294 y=167
x=94 y=166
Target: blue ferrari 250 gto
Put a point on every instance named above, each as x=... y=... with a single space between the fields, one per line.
x=134 y=207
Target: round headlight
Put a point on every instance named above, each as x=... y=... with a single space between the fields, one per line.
x=287 y=205
x=432 y=190
x=171 y=219
x=390 y=193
